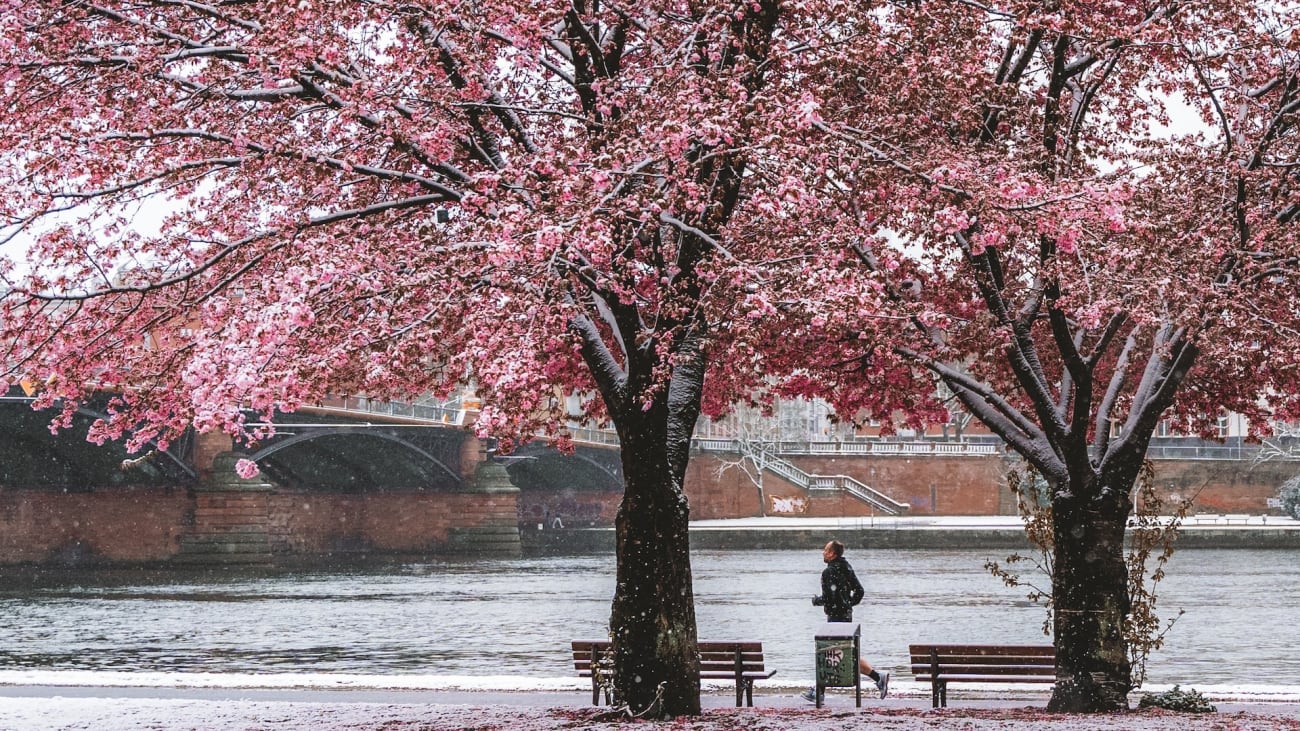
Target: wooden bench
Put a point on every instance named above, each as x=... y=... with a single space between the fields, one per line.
x=741 y=662
x=944 y=664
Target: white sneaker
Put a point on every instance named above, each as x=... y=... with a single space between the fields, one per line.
x=883 y=684
x=809 y=695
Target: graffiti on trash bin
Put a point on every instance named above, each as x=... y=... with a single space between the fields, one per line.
x=832 y=657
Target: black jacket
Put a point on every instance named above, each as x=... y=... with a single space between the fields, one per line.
x=841 y=590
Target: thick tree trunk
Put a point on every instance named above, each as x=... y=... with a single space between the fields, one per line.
x=1090 y=595
x=653 y=615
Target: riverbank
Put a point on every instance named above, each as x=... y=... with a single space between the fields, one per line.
x=911 y=532
x=46 y=708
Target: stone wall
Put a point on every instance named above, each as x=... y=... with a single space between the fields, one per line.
x=951 y=485
x=146 y=525
x=572 y=507
x=932 y=485
x=141 y=526
x=114 y=524
x=1222 y=486
x=304 y=523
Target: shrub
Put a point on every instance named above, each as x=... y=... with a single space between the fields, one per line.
x=1183 y=701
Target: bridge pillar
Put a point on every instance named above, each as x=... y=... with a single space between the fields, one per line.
x=489 y=523
x=207 y=447
x=231 y=519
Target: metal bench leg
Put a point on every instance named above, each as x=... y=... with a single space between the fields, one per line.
x=595 y=690
x=935 y=683
x=739 y=669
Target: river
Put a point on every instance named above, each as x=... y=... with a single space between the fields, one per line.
x=495 y=617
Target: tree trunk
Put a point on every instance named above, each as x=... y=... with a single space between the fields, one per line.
x=1090 y=595
x=656 y=663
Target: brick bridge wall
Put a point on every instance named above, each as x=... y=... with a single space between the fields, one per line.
x=394 y=522
x=931 y=485
x=133 y=525
x=146 y=525
x=950 y=485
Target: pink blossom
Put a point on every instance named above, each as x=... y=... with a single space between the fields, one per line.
x=247 y=469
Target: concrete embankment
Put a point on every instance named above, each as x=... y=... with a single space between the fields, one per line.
x=1001 y=532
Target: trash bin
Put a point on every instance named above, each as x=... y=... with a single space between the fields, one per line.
x=838 y=647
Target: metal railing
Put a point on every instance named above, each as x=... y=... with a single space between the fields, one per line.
x=453 y=413
x=457 y=413
x=594 y=436
x=450 y=413
x=913 y=448
x=766 y=458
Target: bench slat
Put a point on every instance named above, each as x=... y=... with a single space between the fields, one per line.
x=731 y=672
x=990 y=678
x=745 y=655
x=949 y=671
x=943 y=664
x=1046 y=662
x=984 y=650
x=717 y=661
x=743 y=646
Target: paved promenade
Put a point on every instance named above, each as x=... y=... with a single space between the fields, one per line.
x=959 y=531
x=53 y=708
x=914 y=531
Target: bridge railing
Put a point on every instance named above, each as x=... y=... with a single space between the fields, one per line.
x=592 y=435
x=449 y=413
x=716 y=444
x=765 y=457
x=860 y=491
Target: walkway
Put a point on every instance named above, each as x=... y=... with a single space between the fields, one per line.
x=45 y=708
x=975 y=531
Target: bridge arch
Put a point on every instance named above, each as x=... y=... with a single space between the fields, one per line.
x=566 y=490
x=360 y=459
x=33 y=457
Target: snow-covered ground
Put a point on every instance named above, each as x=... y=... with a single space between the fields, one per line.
x=103 y=701
x=1244 y=522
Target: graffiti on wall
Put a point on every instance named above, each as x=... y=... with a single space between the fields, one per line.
x=788 y=505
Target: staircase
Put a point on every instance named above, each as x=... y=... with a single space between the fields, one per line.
x=765 y=458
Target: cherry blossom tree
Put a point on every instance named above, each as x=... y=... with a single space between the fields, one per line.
x=216 y=209
x=244 y=206
x=1079 y=218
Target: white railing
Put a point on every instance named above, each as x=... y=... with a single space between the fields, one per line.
x=870 y=496
x=456 y=413
x=716 y=445
x=766 y=459
x=959 y=449
x=449 y=414
x=591 y=435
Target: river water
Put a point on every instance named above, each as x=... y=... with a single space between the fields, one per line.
x=495 y=617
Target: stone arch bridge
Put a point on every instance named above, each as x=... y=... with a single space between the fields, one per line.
x=350 y=479
x=354 y=479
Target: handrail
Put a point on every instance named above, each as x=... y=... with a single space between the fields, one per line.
x=446 y=414
x=917 y=448
x=766 y=459
x=436 y=413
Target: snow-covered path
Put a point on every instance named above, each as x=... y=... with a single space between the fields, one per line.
x=339 y=708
